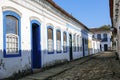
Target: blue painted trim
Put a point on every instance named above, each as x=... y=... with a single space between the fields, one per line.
x=38 y=23
x=78 y=41
x=58 y=30
x=11 y=13
x=66 y=41
x=84 y=32
x=50 y=27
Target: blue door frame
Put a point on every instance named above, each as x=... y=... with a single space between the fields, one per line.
x=70 y=47
x=83 y=42
x=35 y=44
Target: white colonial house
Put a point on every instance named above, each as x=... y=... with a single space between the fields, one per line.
x=36 y=34
x=93 y=44
x=105 y=38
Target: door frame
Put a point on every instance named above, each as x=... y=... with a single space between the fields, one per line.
x=31 y=32
x=83 y=44
x=70 y=48
x=105 y=47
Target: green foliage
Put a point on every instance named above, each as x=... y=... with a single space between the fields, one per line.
x=105 y=27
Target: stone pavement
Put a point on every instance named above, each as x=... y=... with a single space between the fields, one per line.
x=56 y=70
x=102 y=66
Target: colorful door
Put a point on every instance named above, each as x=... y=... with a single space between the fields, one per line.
x=36 y=47
x=83 y=47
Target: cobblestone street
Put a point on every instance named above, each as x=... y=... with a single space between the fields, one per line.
x=103 y=66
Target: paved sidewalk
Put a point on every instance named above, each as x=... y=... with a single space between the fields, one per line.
x=57 y=70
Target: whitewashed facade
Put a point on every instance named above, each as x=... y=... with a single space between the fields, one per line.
x=105 y=39
x=93 y=44
x=39 y=28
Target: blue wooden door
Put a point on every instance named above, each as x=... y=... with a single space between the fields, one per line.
x=70 y=47
x=36 y=47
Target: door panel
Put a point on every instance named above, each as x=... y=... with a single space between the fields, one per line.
x=70 y=47
x=36 y=49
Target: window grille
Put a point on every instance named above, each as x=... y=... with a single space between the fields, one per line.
x=50 y=40
x=64 y=42
x=11 y=34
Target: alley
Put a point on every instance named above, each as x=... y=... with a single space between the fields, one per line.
x=101 y=66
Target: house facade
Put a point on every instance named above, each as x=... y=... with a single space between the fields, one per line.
x=36 y=34
x=93 y=44
x=105 y=38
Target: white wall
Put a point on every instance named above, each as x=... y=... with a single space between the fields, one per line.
x=109 y=43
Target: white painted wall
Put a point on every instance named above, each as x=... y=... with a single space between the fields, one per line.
x=90 y=40
x=109 y=43
x=95 y=46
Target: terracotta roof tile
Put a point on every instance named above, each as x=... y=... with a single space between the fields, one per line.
x=97 y=30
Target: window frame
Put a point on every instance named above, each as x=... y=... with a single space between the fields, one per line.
x=105 y=37
x=58 y=30
x=14 y=14
x=81 y=44
x=74 y=43
x=50 y=27
x=78 y=43
x=65 y=51
x=99 y=36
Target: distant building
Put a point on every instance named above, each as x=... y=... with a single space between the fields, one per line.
x=93 y=44
x=104 y=36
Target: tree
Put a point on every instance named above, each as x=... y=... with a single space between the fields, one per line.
x=105 y=27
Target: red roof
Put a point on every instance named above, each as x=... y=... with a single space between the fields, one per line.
x=98 y=30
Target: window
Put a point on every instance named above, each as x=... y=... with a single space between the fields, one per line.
x=99 y=36
x=64 y=42
x=86 y=41
x=58 y=42
x=74 y=42
x=11 y=34
x=78 y=43
x=12 y=39
x=81 y=44
x=86 y=44
x=104 y=37
x=50 y=40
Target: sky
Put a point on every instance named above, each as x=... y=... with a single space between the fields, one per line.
x=92 y=13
